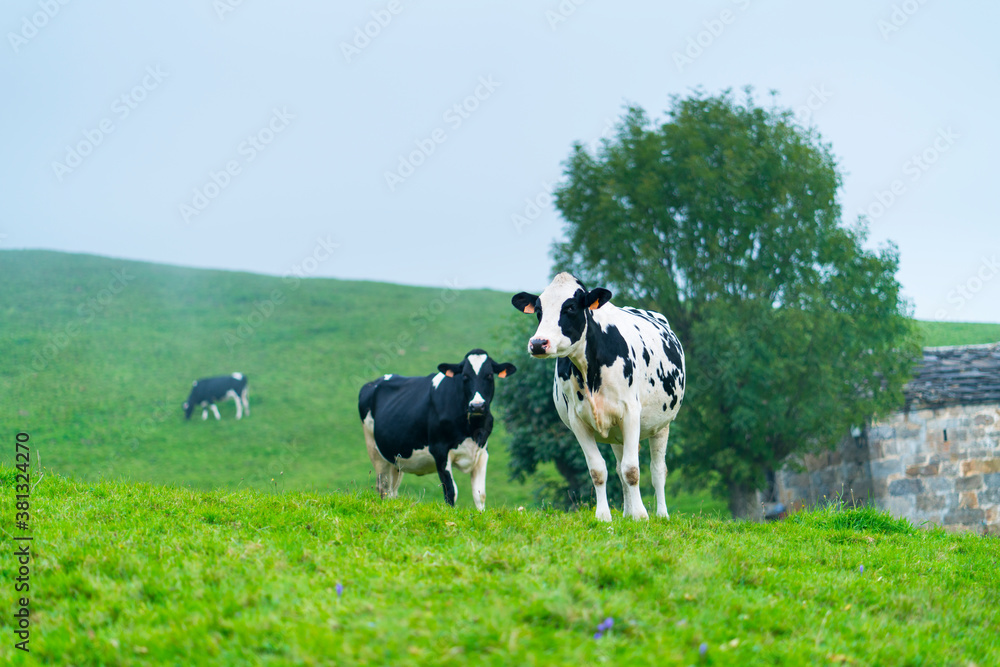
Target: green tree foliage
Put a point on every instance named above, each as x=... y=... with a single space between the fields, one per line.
x=725 y=219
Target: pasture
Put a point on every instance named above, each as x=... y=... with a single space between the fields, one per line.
x=98 y=378
x=133 y=574
x=164 y=541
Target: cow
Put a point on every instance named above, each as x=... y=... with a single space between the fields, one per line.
x=432 y=423
x=619 y=378
x=206 y=391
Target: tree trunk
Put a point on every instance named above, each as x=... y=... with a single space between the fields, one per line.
x=743 y=503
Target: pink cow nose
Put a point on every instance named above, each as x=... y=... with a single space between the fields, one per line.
x=538 y=345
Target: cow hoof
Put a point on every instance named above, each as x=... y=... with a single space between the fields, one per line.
x=664 y=514
x=604 y=516
x=641 y=515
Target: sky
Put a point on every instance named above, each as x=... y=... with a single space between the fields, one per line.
x=418 y=143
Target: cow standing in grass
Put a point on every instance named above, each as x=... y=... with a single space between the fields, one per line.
x=433 y=423
x=207 y=391
x=619 y=379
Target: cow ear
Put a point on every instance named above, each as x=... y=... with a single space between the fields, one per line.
x=504 y=370
x=524 y=302
x=597 y=298
x=450 y=369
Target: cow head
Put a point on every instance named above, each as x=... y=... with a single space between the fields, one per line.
x=563 y=311
x=188 y=408
x=477 y=371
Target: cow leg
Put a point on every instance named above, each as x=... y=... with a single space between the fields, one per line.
x=618 y=449
x=383 y=469
x=630 y=464
x=447 y=480
x=598 y=468
x=236 y=399
x=658 y=469
x=395 y=477
x=245 y=397
x=215 y=411
x=204 y=414
x=479 y=479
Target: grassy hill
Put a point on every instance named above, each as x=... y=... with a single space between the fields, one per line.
x=134 y=574
x=97 y=355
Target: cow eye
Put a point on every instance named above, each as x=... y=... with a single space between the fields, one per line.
x=571 y=308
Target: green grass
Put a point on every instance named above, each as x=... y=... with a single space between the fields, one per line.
x=133 y=574
x=938 y=334
x=98 y=379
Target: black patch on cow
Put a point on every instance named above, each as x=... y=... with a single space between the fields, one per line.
x=664 y=407
x=645 y=354
x=603 y=349
x=573 y=315
x=579 y=396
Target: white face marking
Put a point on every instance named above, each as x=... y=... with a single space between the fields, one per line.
x=563 y=287
x=477 y=399
x=387 y=376
x=238 y=376
x=437 y=380
x=477 y=362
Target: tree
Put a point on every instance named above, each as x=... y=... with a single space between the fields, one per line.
x=725 y=219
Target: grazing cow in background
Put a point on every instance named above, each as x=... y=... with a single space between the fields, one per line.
x=206 y=391
x=432 y=423
x=619 y=379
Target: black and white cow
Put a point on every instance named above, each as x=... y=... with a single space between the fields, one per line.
x=432 y=423
x=206 y=391
x=619 y=379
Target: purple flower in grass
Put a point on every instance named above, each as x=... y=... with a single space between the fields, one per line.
x=598 y=635
x=340 y=589
x=703 y=649
x=861 y=569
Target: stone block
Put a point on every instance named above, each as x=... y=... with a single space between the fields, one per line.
x=939 y=484
x=980 y=466
x=902 y=487
x=898 y=507
x=968 y=499
x=983 y=420
x=881 y=432
x=929 y=502
x=993 y=515
x=965 y=517
x=924 y=470
x=881 y=469
x=949 y=469
x=992 y=480
x=989 y=496
x=971 y=483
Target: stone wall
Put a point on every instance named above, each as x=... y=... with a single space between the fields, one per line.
x=937 y=465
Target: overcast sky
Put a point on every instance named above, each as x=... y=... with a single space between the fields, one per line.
x=252 y=135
